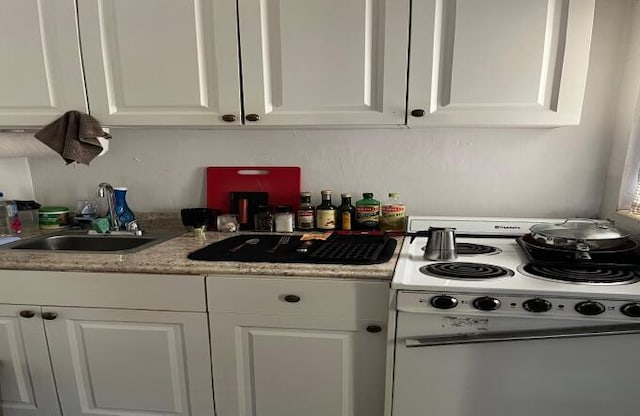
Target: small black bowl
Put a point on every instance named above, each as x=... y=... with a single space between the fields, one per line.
x=199 y=217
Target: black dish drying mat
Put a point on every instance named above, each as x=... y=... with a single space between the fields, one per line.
x=337 y=249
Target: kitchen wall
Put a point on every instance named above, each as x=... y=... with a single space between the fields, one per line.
x=15 y=178
x=622 y=172
x=483 y=172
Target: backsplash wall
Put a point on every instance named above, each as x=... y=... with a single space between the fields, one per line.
x=482 y=172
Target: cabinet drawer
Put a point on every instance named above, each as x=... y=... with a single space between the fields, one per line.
x=318 y=297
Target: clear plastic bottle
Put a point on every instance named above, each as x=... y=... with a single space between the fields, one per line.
x=394 y=214
x=10 y=223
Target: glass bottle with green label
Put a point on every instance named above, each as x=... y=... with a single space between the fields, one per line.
x=367 y=212
x=326 y=213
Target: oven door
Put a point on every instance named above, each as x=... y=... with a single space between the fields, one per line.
x=514 y=366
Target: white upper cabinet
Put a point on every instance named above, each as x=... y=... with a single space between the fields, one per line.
x=324 y=62
x=40 y=70
x=161 y=62
x=498 y=62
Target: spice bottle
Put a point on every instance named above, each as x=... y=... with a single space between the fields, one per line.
x=393 y=214
x=367 y=212
x=326 y=213
x=284 y=219
x=305 y=217
x=346 y=213
x=263 y=218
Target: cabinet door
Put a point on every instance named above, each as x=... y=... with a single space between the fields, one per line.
x=498 y=62
x=324 y=62
x=26 y=381
x=273 y=365
x=41 y=73
x=126 y=363
x=161 y=62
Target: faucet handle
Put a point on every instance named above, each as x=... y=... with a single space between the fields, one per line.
x=133 y=226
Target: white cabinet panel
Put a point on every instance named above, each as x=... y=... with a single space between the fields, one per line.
x=26 y=381
x=320 y=353
x=324 y=62
x=41 y=73
x=161 y=62
x=499 y=62
x=112 y=362
x=274 y=365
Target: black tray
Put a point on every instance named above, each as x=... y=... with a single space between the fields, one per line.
x=338 y=249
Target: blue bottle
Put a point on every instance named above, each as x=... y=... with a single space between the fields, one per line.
x=124 y=213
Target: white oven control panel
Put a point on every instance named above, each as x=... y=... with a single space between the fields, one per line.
x=518 y=305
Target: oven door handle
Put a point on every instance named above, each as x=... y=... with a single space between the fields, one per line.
x=523 y=335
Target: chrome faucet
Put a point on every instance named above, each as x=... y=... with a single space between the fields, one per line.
x=105 y=190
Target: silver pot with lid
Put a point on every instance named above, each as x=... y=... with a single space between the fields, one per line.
x=580 y=234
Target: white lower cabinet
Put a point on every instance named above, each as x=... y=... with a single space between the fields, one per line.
x=77 y=361
x=316 y=347
x=27 y=387
x=115 y=362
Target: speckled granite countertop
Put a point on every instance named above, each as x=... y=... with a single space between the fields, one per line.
x=170 y=257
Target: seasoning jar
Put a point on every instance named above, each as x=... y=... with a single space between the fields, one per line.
x=284 y=219
x=263 y=219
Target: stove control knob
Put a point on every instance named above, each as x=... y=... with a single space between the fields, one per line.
x=631 y=309
x=444 y=302
x=590 y=307
x=537 y=305
x=486 y=303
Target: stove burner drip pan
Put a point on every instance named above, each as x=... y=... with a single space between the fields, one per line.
x=602 y=274
x=465 y=271
x=470 y=249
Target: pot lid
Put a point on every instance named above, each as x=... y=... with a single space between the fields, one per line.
x=579 y=229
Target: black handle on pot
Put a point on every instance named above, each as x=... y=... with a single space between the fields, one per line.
x=426 y=233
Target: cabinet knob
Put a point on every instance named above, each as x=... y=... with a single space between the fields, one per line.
x=374 y=329
x=253 y=117
x=27 y=314
x=418 y=112
x=292 y=298
x=49 y=316
x=229 y=118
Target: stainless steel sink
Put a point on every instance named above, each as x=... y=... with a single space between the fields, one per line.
x=98 y=243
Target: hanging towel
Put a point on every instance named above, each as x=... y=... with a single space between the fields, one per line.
x=75 y=136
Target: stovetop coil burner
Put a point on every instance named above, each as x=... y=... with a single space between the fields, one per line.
x=583 y=273
x=467 y=249
x=465 y=271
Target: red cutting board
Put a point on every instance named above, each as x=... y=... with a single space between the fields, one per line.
x=281 y=182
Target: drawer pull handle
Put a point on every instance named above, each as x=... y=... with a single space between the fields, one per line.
x=49 y=316
x=292 y=298
x=229 y=118
x=374 y=329
x=27 y=314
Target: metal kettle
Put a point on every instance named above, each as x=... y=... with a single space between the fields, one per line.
x=441 y=244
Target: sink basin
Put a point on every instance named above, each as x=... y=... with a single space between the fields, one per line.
x=82 y=242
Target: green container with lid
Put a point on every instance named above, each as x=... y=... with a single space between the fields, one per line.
x=54 y=217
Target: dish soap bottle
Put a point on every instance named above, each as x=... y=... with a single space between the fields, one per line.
x=124 y=213
x=393 y=214
x=10 y=223
x=367 y=212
